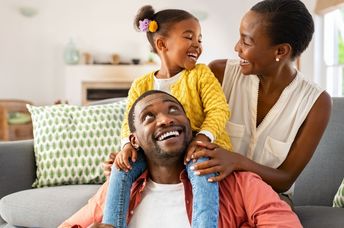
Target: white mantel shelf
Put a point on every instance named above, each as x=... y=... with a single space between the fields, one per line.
x=107 y=76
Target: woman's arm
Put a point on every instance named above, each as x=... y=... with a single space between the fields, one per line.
x=218 y=68
x=301 y=151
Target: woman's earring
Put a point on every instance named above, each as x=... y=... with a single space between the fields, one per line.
x=277 y=59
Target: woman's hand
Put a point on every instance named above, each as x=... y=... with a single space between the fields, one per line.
x=193 y=146
x=220 y=161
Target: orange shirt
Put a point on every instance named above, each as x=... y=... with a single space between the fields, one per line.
x=245 y=201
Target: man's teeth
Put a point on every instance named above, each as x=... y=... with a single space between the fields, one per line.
x=243 y=61
x=168 y=134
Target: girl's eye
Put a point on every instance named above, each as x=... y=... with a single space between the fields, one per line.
x=244 y=42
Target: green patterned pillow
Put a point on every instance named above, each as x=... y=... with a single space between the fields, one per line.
x=71 y=142
x=338 y=200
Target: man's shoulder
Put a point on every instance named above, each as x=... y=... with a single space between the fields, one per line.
x=240 y=178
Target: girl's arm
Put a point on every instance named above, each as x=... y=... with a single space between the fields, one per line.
x=214 y=102
x=218 y=67
x=282 y=178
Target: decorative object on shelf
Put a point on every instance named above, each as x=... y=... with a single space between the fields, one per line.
x=115 y=59
x=151 y=59
x=135 y=61
x=86 y=58
x=71 y=53
x=28 y=11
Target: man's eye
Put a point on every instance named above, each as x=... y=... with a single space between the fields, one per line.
x=148 y=117
x=174 y=110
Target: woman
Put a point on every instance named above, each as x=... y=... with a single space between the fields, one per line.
x=278 y=117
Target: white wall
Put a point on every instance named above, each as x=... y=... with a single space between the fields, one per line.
x=31 y=49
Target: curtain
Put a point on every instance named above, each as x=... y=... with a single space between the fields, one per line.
x=324 y=6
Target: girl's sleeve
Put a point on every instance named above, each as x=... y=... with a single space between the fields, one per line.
x=214 y=103
x=134 y=93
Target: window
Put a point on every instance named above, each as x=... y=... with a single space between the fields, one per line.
x=334 y=51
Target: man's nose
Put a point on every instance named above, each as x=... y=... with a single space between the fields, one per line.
x=165 y=119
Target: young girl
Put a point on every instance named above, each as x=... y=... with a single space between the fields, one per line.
x=175 y=36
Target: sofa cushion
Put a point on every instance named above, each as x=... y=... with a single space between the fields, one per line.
x=320 y=216
x=45 y=207
x=71 y=142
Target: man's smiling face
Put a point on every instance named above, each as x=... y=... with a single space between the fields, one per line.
x=162 y=128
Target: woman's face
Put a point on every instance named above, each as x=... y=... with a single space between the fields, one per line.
x=257 y=55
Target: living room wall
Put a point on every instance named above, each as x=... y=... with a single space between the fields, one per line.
x=31 y=56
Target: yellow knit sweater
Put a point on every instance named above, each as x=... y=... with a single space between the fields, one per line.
x=202 y=97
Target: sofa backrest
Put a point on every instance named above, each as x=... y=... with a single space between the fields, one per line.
x=319 y=181
x=17 y=166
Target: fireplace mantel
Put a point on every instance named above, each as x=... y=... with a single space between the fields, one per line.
x=80 y=78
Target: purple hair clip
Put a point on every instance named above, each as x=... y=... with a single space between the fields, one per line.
x=143 y=25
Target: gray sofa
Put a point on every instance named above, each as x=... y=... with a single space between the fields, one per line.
x=20 y=205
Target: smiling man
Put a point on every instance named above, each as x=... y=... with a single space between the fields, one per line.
x=162 y=196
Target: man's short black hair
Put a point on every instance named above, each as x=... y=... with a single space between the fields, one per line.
x=145 y=94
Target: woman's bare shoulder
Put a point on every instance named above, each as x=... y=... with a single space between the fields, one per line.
x=218 y=68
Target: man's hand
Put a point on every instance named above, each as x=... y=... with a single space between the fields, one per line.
x=101 y=225
x=108 y=164
x=220 y=161
x=122 y=158
x=193 y=147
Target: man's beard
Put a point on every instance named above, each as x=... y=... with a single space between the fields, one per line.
x=175 y=154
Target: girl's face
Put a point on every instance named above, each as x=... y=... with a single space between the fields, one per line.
x=183 y=45
x=257 y=55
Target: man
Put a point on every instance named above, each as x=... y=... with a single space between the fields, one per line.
x=162 y=196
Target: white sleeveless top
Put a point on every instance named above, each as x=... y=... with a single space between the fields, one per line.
x=269 y=143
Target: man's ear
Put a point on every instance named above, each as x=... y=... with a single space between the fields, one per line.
x=133 y=141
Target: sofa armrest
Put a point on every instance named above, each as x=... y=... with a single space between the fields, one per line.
x=17 y=166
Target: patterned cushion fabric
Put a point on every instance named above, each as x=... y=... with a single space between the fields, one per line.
x=71 y=142
x=338 y=200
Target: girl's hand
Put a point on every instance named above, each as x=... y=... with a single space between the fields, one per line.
x=122 y=158
x=220 y=161
x=108 y=164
